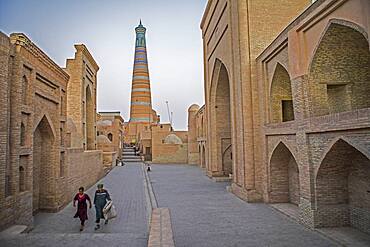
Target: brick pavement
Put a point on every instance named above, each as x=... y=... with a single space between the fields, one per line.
x=203 y=213
x=130 y=228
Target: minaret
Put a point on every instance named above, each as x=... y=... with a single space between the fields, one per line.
x=141 y=99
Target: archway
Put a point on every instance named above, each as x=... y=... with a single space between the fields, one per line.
x=43 y=153
x=284 y=176
x=340 y=71
x=281 y=100
x=342 y=188
x=90 y=129
x=221 y=119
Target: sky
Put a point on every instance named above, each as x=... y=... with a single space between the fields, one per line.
x=107 y=28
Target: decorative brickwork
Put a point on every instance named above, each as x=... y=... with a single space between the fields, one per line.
x=39 y=171
x=299 y=106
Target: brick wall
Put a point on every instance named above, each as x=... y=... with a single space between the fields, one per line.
x=82 y=168
x=340 y=74
x=168 y=152
x=38 y=171
x=284 y=177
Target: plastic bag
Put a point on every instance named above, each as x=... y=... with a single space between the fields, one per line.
x=109 y=211
x=112 y=213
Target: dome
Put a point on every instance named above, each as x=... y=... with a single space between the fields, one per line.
x=172 y=139
x=193 y=107
x=102 y=139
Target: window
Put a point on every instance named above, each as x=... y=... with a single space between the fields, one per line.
x=287 y=108
x=23 y=135
x=110 y=136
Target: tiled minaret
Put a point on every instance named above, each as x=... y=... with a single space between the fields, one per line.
x=141 y=100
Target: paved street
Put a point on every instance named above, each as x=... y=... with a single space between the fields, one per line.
x=203 y=213
x=126 y=186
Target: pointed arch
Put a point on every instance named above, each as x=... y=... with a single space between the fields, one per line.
x=341 y=188
x=361 y=149
x=218 y=65
x=43 y=170
x=281 y=99
x=339 y=71
x=220 y=119
x=284 y=176
x=49 y=123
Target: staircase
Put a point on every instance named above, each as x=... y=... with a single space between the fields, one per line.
x=129 y=155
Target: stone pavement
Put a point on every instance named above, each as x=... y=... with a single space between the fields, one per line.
x=126 y=187
x=203 y=213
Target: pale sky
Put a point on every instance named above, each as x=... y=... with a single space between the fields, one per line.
x=174 y=45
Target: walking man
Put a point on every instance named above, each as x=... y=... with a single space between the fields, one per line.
x=100 y=199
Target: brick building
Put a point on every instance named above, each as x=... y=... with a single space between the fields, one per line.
x=81 y=98
x=110 y=131
x=169 y=146
x=39 y=170
x=287 y=105
x=197 y=135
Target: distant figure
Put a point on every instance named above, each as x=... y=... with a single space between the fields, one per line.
x=100 y=199
x=81 y=197
x=148 y=167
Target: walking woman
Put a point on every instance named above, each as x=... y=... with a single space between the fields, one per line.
x=100 y=199
x=81 y=198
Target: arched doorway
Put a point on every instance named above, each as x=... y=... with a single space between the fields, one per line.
x=340 y=71
x=90 y=129
x=221 y=120
x=281 y=100
x=342 y=188
x=284 y=176
x=43 y=153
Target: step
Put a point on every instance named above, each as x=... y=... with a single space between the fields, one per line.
x=128 y=161
x=131 y=157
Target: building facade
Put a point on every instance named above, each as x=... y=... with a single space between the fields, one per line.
x=39 y=171
x=110 y=131
x=81 y=100
x=287 y=106
x=169 y=146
